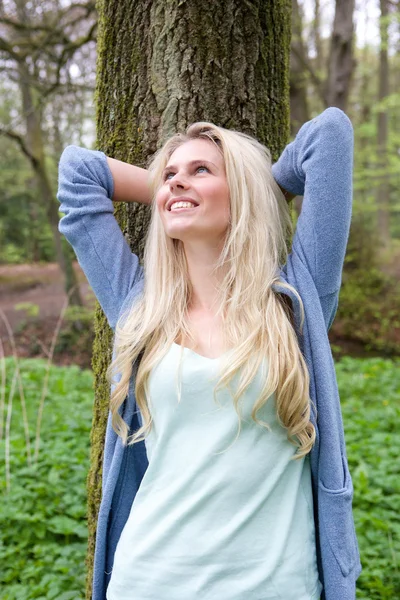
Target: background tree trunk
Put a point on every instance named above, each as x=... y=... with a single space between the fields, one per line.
x=341 y=62
x=161 y=66
x=35 y=145
x=35 y=151
x=299 y=112
x=299 y=109
x=316 y=36
x=383 y=185
x=37 y=63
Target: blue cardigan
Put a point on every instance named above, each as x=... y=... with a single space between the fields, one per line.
x=317 y=165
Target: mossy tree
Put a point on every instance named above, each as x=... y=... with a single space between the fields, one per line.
x=165 y=64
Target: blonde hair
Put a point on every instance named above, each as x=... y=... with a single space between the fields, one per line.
x=257 y=322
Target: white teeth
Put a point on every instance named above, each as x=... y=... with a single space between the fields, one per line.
x=182 y=205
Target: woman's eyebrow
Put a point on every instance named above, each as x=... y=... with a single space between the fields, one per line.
x=192 y=163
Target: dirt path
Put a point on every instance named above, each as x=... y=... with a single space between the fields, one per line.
x=40 y=286
x=36 y=284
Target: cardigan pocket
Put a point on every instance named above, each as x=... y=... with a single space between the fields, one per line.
x=336 y=519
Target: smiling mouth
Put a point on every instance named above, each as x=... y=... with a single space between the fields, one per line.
x=182 y=209
x=174 y=201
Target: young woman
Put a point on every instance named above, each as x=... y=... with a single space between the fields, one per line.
x=225 y=473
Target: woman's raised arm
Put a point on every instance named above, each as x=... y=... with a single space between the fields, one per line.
x=85 y=189
x=130 y=182
x=318 y=165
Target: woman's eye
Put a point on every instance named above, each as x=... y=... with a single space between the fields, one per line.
x=167 y=175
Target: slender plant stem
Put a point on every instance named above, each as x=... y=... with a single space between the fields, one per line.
x=3 y=388
x=46 y=379
x=25 y=419
x=20 y=386
x=8 y=428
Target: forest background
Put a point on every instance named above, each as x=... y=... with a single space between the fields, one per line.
x=343 y=53
x=47 y=81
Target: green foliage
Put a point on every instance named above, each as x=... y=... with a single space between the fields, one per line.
x=43 y=517
x=370 y=393
x=368 y=310
x=369 y=298
x=24 y=230
x=32 y=310
x=77 y=330
x=364 y=107
x=75 y=337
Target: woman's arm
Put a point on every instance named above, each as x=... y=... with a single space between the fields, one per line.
x=130 y=182
x=85 y=189
x=318 y=166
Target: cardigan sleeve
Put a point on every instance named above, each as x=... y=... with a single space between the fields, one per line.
x=318 y=165
x=85 y=189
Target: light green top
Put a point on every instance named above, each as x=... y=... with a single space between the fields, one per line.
x=213 y=519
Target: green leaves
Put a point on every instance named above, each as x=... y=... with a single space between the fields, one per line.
x=369 y=304
x=43 y=518
x=67 y=526
x=370 y=394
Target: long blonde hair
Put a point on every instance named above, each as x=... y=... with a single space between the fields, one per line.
x=257 y=322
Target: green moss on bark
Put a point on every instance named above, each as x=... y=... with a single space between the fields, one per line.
x=100 y=360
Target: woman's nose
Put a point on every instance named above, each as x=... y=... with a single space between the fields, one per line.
x=178 y=181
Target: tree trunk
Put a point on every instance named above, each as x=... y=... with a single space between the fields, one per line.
x=341 y=62
x=161 y=66
x=34 y=143
x=383 y=185
x=33 y=245
x=299 y=112
x=316 y=36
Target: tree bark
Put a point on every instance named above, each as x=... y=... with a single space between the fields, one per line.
x=161 y=66
x=341 y=61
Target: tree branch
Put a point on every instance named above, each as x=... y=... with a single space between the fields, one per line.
x=47 y=35
x=6 y=47
x=88 y=7
x=20 y=141
x=9 y=70
x=23 y=26
x=66 y=53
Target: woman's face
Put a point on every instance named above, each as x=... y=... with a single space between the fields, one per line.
x=195 y=171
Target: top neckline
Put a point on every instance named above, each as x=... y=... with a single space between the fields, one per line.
x=200 y=355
